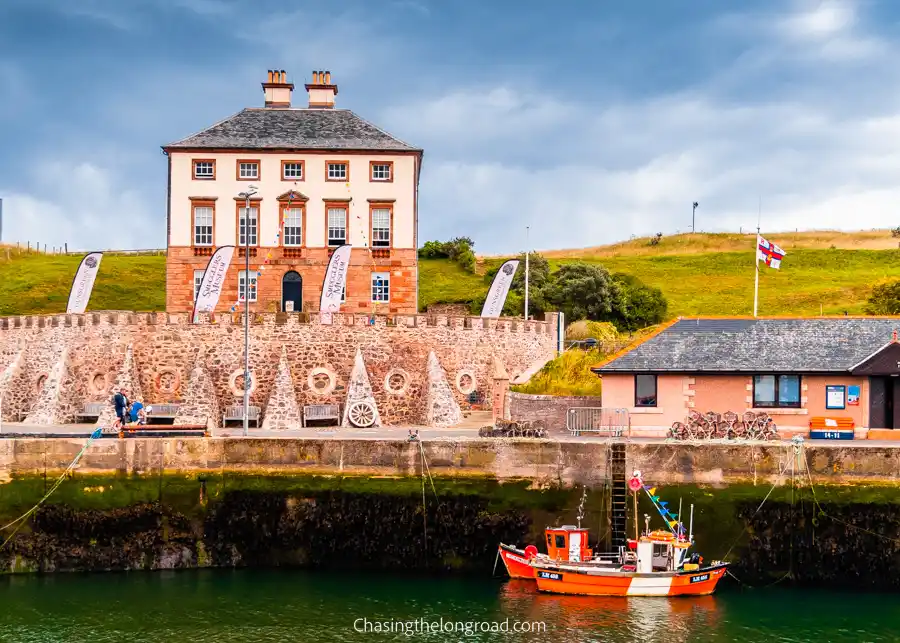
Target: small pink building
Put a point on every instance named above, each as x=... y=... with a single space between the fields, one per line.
x=800 y=371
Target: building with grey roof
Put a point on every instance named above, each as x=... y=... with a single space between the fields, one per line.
x=286 y=186
x=802 y=372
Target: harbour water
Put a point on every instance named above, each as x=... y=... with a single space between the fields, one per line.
x=248 y=606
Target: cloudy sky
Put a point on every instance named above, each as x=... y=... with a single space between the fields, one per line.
x=589 y=121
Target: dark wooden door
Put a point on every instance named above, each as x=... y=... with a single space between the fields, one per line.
x=292 y=290
x=878 y=399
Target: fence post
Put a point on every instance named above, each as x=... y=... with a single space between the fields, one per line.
x=67 y=247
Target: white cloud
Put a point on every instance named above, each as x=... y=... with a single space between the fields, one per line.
x=820 y=151
x=83 y=205
x=819 y=20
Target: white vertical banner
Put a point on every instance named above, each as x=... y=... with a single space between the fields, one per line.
x=83 y=283
x=496 y=296
x=335 y=282
x=213 y=281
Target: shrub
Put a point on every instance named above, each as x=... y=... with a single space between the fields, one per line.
x=884 y=299
x=460 y=250
x=584 y=329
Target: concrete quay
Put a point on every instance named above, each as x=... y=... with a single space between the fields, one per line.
x=459 y=453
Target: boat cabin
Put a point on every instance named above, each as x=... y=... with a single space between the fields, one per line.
x=568 y=543
x=659 y=551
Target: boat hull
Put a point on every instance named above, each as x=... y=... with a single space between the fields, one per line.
x=613 y=583
x=516 y=562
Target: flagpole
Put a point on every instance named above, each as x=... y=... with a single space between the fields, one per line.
x=756 y=280
x=756 y=260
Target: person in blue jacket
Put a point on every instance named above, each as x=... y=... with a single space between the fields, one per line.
x=134 y=411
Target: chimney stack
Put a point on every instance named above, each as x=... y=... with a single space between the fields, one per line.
x=277 y=89
x=321 y=91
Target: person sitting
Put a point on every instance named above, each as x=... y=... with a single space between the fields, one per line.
x=135 y=412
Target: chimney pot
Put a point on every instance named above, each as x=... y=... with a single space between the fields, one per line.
x=327 y=77
x=270 y=76
x=283 y=76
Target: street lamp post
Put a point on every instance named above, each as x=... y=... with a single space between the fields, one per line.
x=526 y=272
x=251 y=190
x=694 y=217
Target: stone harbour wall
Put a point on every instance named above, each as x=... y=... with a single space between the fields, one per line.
x=54 y=365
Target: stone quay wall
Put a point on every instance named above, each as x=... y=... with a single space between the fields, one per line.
x=543 y=462
x=549 y=410
x=50 y=366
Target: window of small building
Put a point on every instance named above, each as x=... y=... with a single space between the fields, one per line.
x=776 y=391
x=560 y=541
x=645 y=390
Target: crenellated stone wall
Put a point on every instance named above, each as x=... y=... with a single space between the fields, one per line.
x=83 y=357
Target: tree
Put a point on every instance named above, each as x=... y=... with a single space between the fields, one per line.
x=643 y=305
x=584 y=291
x=885 y=299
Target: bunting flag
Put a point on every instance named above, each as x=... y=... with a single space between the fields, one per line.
x=671 y=519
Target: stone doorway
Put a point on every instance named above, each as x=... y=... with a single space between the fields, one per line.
x=292 y=291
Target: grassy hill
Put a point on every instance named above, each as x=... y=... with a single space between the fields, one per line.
x=712 y=274
x=34 y=283
x=708 y=274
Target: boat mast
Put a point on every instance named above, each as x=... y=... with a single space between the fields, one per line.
x=691 y=533
x=680 y=521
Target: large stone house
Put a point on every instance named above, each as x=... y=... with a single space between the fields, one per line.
x=799 y=371
x=323 y=177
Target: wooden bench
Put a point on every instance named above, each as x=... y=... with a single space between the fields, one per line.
x=826 y=428
x=162 y=412
x=236 y=414
x=91 y=411
x=319 y=412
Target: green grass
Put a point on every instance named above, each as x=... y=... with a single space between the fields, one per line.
x=568 y=374
x=699 y=275
x=810 y=282
x=39 y=284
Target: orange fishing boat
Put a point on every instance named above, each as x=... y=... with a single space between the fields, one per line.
x=518 y=561
x=655 y=563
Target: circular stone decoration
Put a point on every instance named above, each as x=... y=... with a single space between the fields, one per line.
x=168 y=380
x=99 y=383
x=236 y=382
x=362 y=415
x=39 y=383
x=321 y=381
x=465 y=382
x=396 y=381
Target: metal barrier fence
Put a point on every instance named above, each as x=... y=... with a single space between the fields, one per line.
x=602 y=421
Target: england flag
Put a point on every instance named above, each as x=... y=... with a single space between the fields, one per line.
x=768 y=252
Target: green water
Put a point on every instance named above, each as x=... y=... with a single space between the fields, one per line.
x=251 y=606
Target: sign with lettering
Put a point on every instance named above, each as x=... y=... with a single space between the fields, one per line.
x=213 y=282
x=550 y=575
x=83 y=284
x=700 y=578
x=831 y=435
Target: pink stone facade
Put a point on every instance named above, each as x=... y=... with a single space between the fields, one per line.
x=679 y=394
x=80 y=358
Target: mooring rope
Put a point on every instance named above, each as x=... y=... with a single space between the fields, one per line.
x=822 y=513
x=21 y=519
x=747 y=526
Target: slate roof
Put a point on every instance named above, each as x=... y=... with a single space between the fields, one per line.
x=273 y=128
x=816 y=345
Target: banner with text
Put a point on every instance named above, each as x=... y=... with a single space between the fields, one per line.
x=496 y=297
x=83 y=283
x=213 y=281
x=335 y=283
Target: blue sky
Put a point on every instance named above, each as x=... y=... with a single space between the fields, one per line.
x=589 y=121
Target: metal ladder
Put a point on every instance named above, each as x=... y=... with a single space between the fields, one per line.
x=618 y=495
